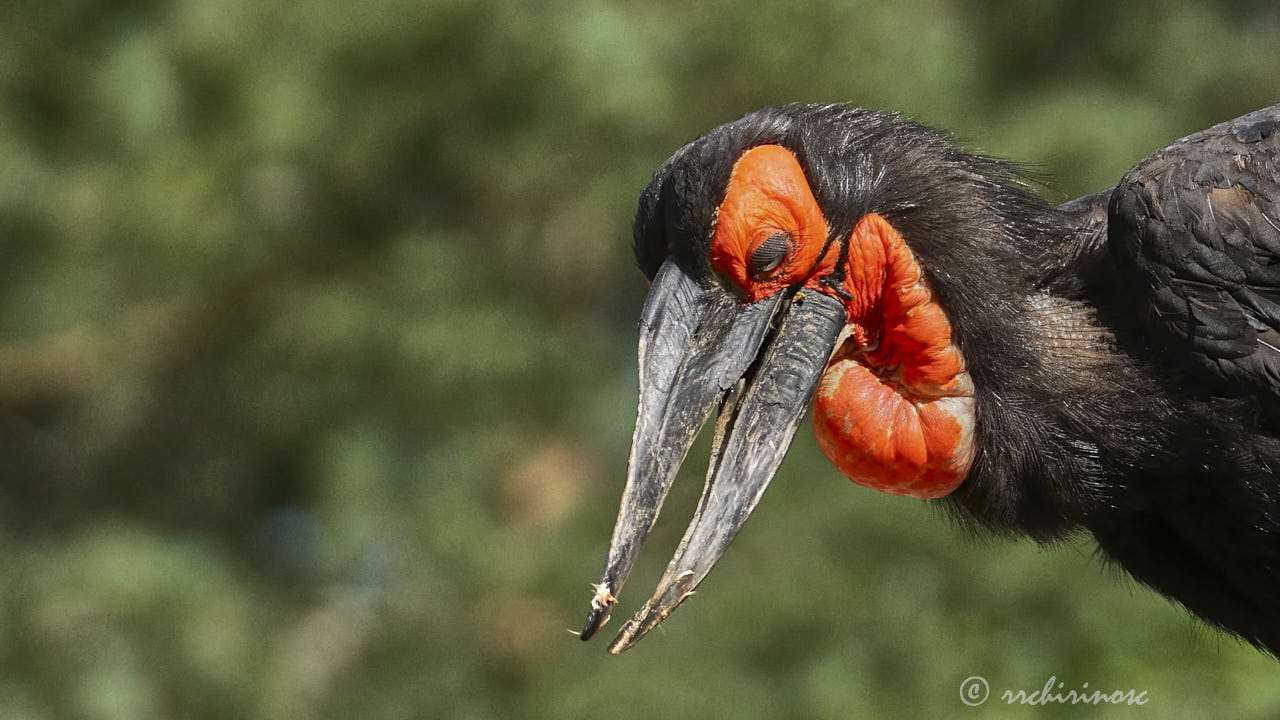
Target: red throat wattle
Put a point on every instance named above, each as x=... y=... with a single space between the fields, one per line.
x=895 y=409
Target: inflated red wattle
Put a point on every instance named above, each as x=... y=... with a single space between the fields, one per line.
x=895 y=408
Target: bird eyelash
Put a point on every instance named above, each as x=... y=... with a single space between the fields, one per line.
x=802 y=234
x=765 y=261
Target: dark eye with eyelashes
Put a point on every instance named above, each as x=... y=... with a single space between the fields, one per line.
x=769 y=256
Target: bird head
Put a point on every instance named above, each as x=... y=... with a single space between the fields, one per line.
x=793 y=257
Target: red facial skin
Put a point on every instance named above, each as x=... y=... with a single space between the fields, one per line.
x=894 y=409
x=768 y=194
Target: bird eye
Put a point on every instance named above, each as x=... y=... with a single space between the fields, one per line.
x=769 y=255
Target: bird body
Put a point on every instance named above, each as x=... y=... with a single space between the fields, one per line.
x=1111 y=365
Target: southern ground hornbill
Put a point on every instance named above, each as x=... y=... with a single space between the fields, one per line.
x=1112 y=364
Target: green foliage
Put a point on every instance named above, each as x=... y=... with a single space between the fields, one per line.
x=317 y=360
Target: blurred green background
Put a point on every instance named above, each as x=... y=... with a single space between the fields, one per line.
x=317 y=347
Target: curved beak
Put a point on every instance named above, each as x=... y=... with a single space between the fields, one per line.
x=699 y=348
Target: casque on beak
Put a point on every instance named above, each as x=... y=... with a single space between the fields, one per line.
x=699 y=346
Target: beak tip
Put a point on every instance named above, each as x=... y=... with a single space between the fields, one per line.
x=601 y=604
x=627 y=638
x=595 y=621
x=658 y=609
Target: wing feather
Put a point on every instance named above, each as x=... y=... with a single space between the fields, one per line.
x=1193 y=229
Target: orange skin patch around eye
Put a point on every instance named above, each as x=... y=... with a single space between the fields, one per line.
x=894 y=410
x=767 y=194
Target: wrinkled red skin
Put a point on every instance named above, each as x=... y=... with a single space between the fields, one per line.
x=894 y=410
